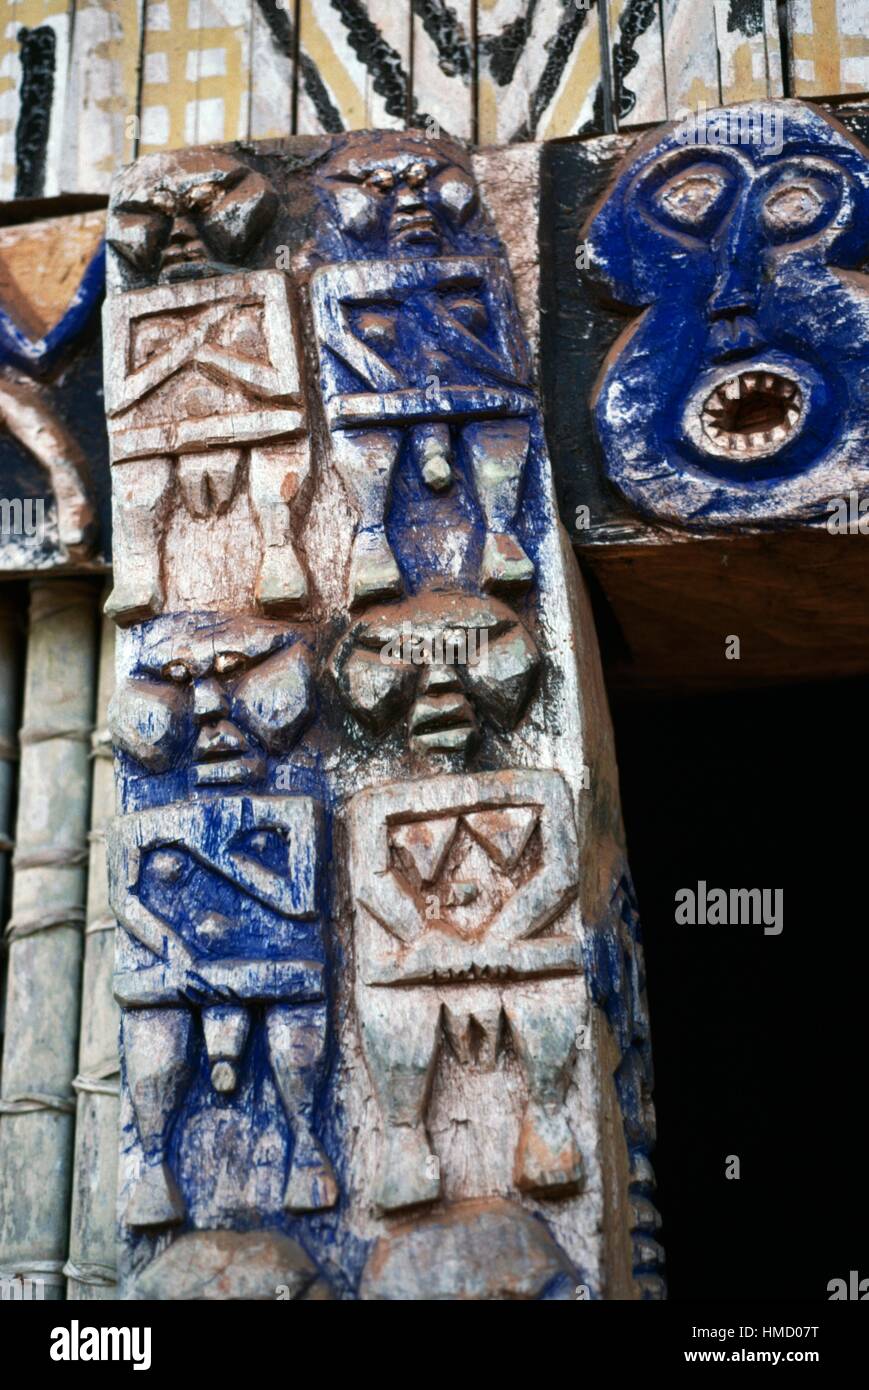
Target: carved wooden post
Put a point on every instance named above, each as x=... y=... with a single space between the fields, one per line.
x=42 y=1005
x=90 y=1268
x=9 y=661
x=383 y=1013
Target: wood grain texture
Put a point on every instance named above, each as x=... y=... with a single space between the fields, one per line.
x=829 y=44
x=525 y=847
x=10 y=642
x=100 y=127
x=90 y=1269
x=798 y=603
x=741 y=40
x=45 y=934
x=354 y=65
x=196 y=76
x=42 y=264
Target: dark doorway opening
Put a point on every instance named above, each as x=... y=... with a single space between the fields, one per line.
x=759 y=1040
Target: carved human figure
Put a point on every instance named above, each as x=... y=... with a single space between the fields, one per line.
x=203 y=389
x=462 y=887
x=218 y=896
x=421 y=355
x=738 y=395
x=442 y=658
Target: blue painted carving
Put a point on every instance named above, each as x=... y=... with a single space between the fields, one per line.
x=17 y=349
x=614 y=965
x=739 y=395
x=219 y=885
x=210 y=702
x=423 y=365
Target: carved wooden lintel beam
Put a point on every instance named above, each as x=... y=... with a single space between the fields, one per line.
x=703 y=373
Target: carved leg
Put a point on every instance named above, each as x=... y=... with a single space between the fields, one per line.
x=226 y=1028
x=276 y=476
x=399 y=1037
x=140 y=494
x=157 y=1052
x=296 y=1039
x=208 y=480
x=75 y=513
x=498 y=450
x=473 y=1032
x=365 y=460
x=432 y=454
x=543 y=1020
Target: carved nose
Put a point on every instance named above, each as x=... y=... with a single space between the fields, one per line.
x=209 y=701
x=183 y=230
x=731 y=303
x=740 y=269
x=439 y=680
x=408 y=199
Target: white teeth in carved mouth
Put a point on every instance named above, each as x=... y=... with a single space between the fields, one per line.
x=752 y=413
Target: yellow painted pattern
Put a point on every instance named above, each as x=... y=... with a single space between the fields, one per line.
x=824 y=48
x=122 y=51
x=497 y=106
x=578 y=85
x=745 y=83
x=348 y=96
x=324 y=40
x=197 y=70
x=196 y=74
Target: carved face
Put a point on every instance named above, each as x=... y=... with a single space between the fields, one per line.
x=737 y=394
x=404 y=192
x=443 y=658
x=218 y=697
x=182 y=216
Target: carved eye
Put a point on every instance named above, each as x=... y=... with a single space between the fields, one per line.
x=137 y=236
x=795 y=210
x=166 y=865
x=227 y=662
x=416 y=175
x=381 y=179
x=694 y=200
x=202 y=195
x=176 y=671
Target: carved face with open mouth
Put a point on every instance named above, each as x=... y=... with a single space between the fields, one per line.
x=735 y=396
x=214 y=696
x=750 y=413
